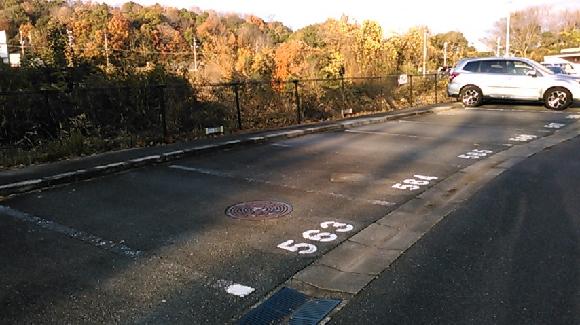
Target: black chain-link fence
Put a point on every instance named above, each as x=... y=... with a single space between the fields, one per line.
x=47 y=125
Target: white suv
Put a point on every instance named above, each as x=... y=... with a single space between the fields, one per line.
x=472 y=80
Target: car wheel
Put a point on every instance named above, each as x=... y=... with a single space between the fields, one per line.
x=557 y=98
x=471 y=96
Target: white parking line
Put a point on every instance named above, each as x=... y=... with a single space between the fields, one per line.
x=281 y=145
x=513 y=110
x=218 y=173
x=389 y=133
x=233 y=288
x=554 y=125
x=239 y=290
x=108 y=245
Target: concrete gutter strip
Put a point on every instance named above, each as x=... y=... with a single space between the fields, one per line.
x=102 y=170
x=349 y=267
x=113 y=165
x=21 y=186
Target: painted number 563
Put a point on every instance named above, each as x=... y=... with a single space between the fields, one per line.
x=301 y=248
x=316 y=235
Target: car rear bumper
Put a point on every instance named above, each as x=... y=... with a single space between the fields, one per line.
x=576 y=94
x=453 y=90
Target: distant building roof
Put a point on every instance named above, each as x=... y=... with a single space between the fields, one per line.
x=567 y=55
x=574 y=50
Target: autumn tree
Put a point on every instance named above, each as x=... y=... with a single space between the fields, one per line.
x=369 y=47
x=290 y=60
x=537 y=31
x=89 y=26
x=55 y=54
x=219 y=46
x=118 y=36
x=457 y=48
x=407 y=50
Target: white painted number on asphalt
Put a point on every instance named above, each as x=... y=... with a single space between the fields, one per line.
x=475 y=154
x=340 y=227
x=290 y=246
x=316 y=235
x=554 y=125
x=523 y=138
x=415 y=183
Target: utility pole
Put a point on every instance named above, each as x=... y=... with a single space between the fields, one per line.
x=425 y=52
x=21 y=45
x=70 y=45
x=194 y=53
x=70 y=37
x=107 y=49
x=497 y=52
x=445 y=54
x=507 y=30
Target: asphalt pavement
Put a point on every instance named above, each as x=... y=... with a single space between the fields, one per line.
x=510 y=255
x=211 y=237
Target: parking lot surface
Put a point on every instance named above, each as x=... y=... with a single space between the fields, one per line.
x=155 y=244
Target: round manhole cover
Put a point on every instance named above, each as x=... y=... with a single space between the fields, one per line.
x=258 y=210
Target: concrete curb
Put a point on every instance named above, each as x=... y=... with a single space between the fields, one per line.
x=116 y=167
x=373 y=249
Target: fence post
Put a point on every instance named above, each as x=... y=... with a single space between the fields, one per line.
x=297 y=100
x=47 y=108
x=342 y=92
x=238 y=109
x=436 y=76
x=411 y=90
x=163 y=112
x=46 y=100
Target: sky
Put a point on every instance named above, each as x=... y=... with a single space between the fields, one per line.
x=473 y=18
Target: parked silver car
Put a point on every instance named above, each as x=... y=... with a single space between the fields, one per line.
x=472 y=80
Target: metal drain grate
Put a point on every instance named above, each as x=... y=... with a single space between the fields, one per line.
x=259 y=210
x=276 y=308
x=312 y=312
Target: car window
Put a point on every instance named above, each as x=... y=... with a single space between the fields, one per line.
x=472 y=66
x=493 y=66
x=519 y=67
x=544 y=71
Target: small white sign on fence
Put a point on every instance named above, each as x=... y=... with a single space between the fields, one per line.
x=215 y=130
x=15 y=60
x=3 y=47
x=402 y=79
